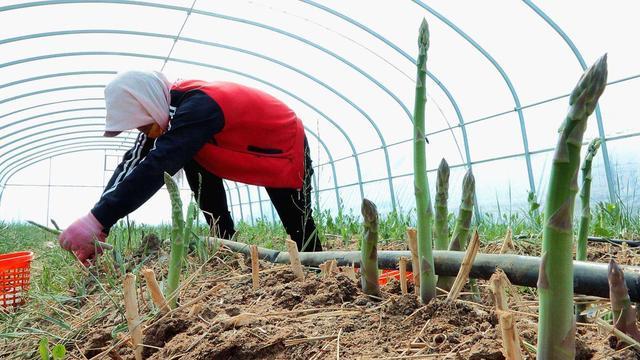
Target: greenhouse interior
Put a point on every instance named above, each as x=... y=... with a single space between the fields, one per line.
x=259 y=179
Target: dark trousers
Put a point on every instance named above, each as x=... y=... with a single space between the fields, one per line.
x=293 y=206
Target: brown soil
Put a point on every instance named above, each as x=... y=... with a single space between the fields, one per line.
x=324 y=316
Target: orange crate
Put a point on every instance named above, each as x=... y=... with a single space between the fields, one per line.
x=15 y=277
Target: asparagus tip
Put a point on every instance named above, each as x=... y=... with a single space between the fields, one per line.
x=423 y=35
x=615 y=274
x=369 y=210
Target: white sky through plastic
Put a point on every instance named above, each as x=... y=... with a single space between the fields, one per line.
x=345 y=67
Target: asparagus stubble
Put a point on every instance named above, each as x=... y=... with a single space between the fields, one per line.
x=369 y=249
x=556 y=326
x=421 y=186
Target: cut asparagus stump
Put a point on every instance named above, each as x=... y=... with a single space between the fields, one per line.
x=556 y=326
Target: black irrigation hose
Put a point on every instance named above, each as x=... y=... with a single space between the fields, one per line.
x=589 y=278
x=630 y=243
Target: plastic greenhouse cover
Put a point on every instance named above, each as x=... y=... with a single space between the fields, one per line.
x=499 y=73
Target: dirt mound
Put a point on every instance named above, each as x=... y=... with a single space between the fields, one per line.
x=323 y=316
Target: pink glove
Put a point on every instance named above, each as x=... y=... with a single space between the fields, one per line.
x=79 y=238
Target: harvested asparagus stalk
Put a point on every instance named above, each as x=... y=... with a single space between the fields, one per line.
x=369 y=249
x=57 y=232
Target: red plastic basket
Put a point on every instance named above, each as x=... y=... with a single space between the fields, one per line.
x=15 y=278
x=392 y=274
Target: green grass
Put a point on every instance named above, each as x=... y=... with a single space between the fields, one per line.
x=60 y=286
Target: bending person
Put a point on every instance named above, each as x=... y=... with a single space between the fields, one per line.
x=212 y=130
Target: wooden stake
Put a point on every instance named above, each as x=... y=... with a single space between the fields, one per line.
x=507 y=243
x=403 y=275
x=133 y=318
x=412 y=239
x=255 y=266
x=154 y=289
x=294 y=259
x=465 y=267
x=510 y=336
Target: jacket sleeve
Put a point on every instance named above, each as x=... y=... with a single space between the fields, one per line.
x=138 y=177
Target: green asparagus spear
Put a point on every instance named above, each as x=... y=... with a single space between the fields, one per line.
x=585 y=194
x=369 y=249
x=556 y=325
x=421 y=185
x=177 y=242
x=441 y=231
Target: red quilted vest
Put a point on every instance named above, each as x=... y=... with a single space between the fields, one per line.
x=261 y=142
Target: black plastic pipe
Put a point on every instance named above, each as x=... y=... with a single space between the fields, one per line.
x=589 y=278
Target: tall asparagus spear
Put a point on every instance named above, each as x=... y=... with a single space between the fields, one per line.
x=421 y=185
x=556 y=326
x=441 y=231
x=585 y=194
x=369 y=249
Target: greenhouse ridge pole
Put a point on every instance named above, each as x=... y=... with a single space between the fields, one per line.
x=603 y=140
x=505 y=77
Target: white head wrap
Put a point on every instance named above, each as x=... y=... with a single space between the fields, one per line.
x=135 y=99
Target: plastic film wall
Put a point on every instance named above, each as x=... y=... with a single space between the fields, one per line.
x=498 y=78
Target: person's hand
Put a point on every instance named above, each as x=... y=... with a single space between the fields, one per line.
x=80 y=238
